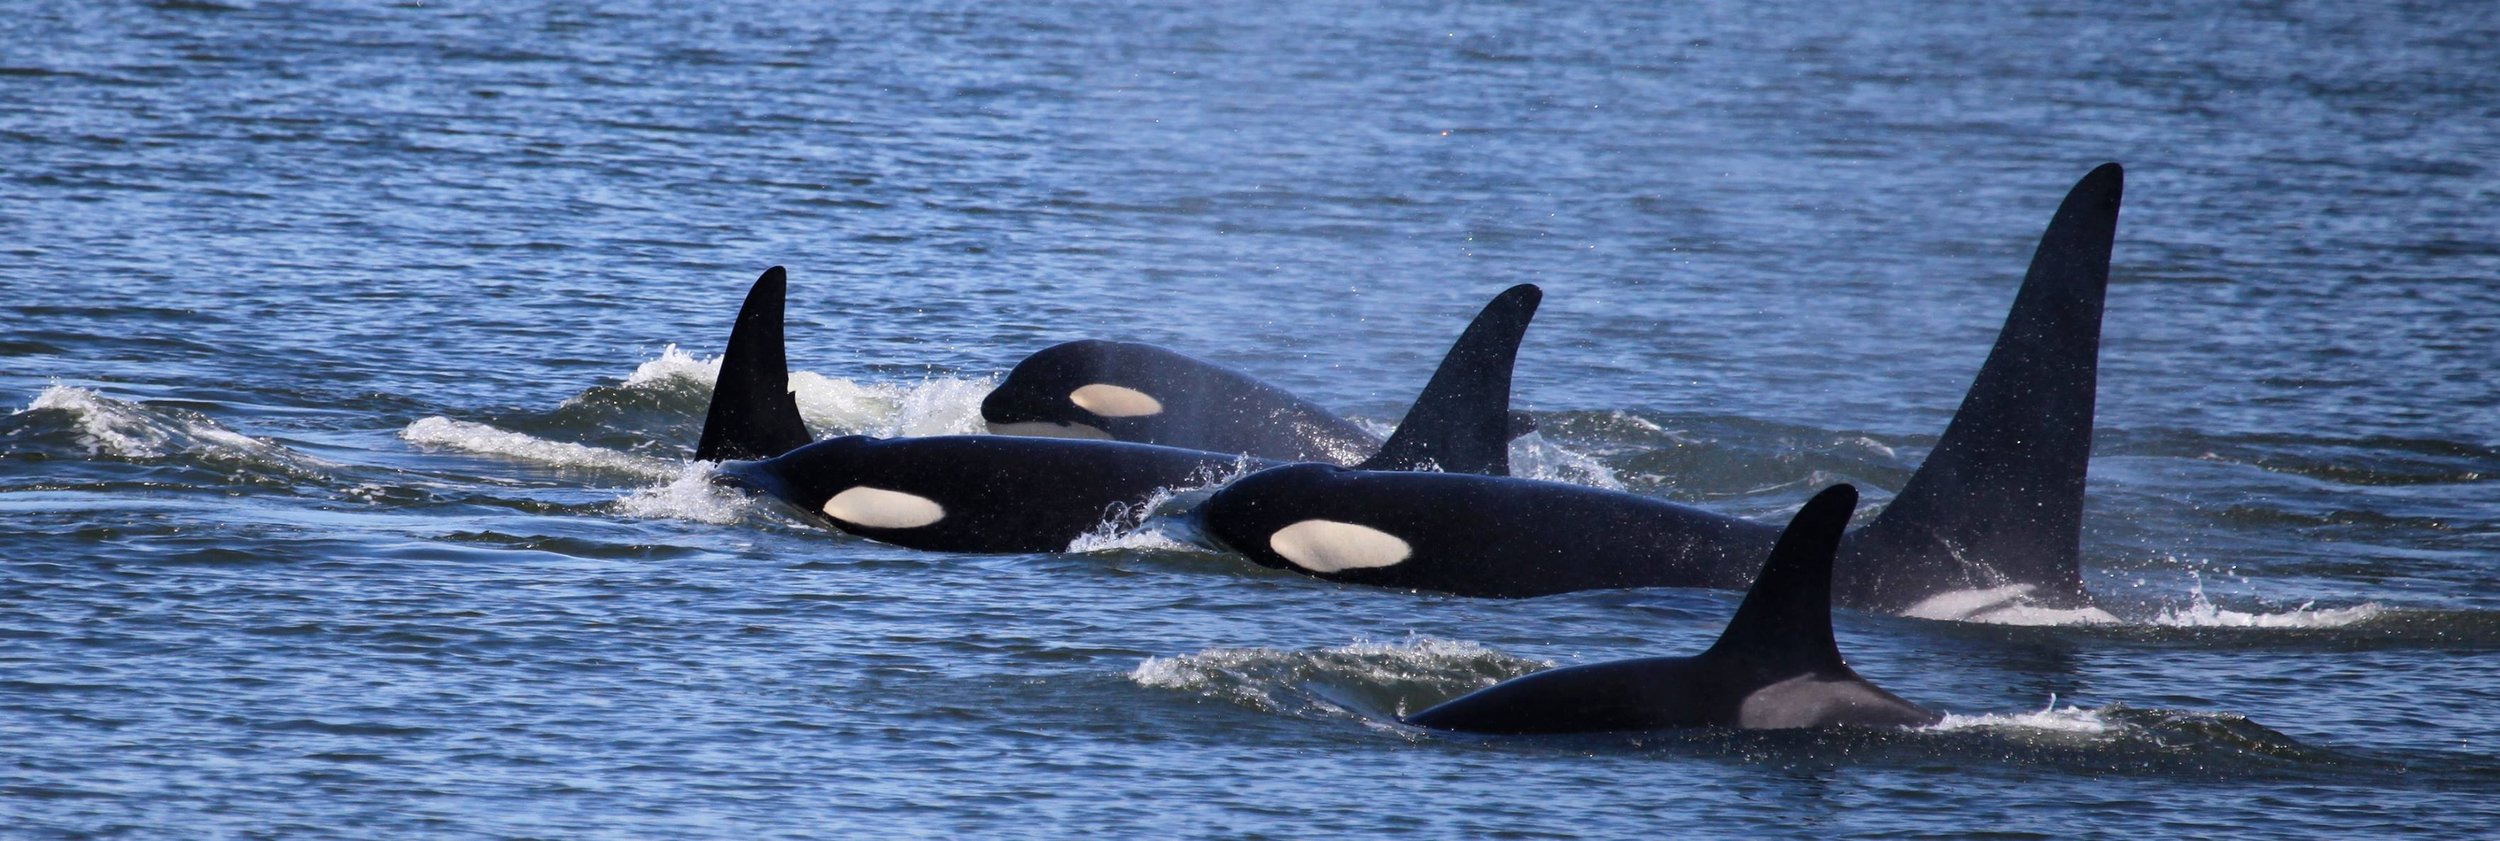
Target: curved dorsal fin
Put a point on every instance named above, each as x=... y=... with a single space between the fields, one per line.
x=2004 y=485
x=1785 y=622
x=1462 y=421
x=753 y=415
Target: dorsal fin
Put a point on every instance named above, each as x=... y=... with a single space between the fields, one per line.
x=1462 y=421
x=753 y=415
x=2004 y=487
x=1784 y=625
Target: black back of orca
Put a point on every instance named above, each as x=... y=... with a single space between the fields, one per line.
x=1014 y=494
x=1475 y=535
x=978 y=493
x=1776 y=666
x=1137 y=392
x=1998 y=503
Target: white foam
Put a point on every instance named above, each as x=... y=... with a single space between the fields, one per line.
x=1412 y=659
x=2072 y=719
x=2005 y=605
x=1534 y=457
x=1148 y=539
x=487 y=440
x=691 y=496
x=934 y=406
x=1349 y=681
x=675 y=364
x=1145 y=525
x=1644 y=424
x=2201 y=612
x=1190 y=671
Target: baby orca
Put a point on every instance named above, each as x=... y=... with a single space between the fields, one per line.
x=1775 y=667
x=991 y=493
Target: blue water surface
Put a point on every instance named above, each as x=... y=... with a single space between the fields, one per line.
x=352 y=353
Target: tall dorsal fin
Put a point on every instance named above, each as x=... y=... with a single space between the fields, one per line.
x=1462 y=421
x=753 y=414
x=1784 y=625
x=2004 y=486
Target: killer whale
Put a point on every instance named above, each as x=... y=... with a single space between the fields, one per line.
x=988 y=493
x=1776 y=666
x=1991 y=520
x=1130 y=391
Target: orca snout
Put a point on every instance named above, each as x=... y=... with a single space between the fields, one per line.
x=756 y=477
x=1007 y=404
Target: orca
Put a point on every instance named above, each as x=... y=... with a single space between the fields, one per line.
x=990 y=493
x=1129 y=391
x=978 y=493
x=1775 y=667
x=1991 y=521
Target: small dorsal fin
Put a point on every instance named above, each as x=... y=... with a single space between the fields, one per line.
x=753 y=415
x=2004 y=485
x=1462 y=421
x=1785 y=622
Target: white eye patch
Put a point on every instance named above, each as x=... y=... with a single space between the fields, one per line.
x=878 y=508
x=1113 y=401
x=1046 y=429
x=1330 y=546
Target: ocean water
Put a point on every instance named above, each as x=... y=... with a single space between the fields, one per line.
x=351 y=353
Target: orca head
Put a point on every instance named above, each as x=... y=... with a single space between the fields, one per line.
x=1081 y=389
x=830 y=479
x=1301 y=517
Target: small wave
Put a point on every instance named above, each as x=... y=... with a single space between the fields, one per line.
x=1110 y=538
x=2072 y=719
x=691 y=496
x=2007 y=605
x=127 y=430
x=935 y=406
x=943 y=406
x=673 y=365
x=1363 y=682
x=487 y=440
x=1158 y=523
x=2130 y=735
x=118 y=429
x=1417 y=658
x=1364 y=679
x=1534 y=457
x=2201 y=612
x=1869 y=444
